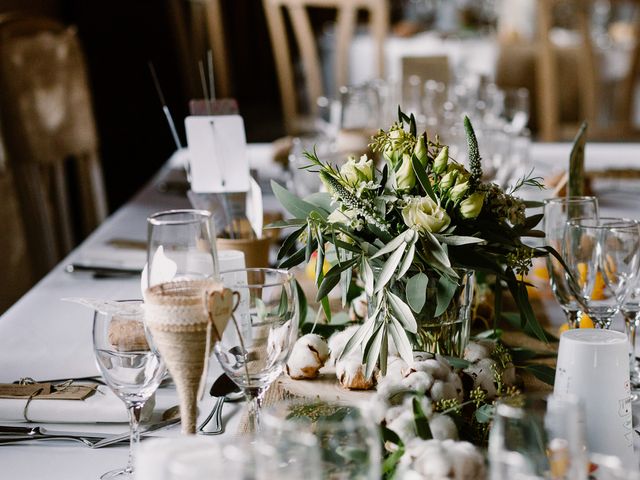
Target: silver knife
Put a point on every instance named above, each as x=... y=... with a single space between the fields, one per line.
x=143 y=431
x=38 y=431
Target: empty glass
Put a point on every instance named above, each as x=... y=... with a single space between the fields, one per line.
x=631 y=313
x=516 y=109
x=557 y=211
x=602 y=256
x=257 y=340
x=537 y=437
x=130 y=365
x=347 y=441
x=181 y=246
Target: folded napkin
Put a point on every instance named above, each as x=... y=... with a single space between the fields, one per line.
x=105 y=255
x=103 y=407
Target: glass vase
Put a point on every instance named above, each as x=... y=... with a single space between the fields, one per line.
x=447 y=333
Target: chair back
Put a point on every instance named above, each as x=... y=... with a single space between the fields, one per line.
x=49 y=135
x=346 y=19
x=570 y=86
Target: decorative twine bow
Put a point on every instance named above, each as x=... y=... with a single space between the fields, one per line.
x=57 y=387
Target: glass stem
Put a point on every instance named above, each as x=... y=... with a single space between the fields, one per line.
x=573 y=318
x=135 y=411
x=254 y=404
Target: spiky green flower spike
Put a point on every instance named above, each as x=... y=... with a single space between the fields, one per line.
x=475 y=165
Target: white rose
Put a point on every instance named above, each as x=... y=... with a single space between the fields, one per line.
x=425 y=215
x=358 y=171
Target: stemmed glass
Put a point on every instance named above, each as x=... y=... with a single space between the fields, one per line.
x=130 y=365
x=257 y=340
x=602 y=256
x=631 y=313
x=538 y=437
x=181 y=246
x=557 y=211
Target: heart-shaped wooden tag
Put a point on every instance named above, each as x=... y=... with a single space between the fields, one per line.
x=221 y=307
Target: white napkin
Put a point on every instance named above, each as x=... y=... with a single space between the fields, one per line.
x=104 y=255
x=103 y=407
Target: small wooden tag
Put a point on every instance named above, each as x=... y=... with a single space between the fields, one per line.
x=14 y=390
x=220 y=309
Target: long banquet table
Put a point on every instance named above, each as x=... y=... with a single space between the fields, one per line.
x=44 y=338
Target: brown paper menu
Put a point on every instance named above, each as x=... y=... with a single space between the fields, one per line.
x=46 y=391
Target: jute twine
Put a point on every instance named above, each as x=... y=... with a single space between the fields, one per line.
x=177 y=316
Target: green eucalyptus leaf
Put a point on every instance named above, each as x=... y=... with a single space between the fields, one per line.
x=321 y=200
x=302 y=302
x=401 y=340
x=289 y=243
x=402 y=313
x=372 y=350
x=457 y=240
x=445 y=290
x=368 y=279
x=484 y=413
x=542 y=372
x=458 y=363
x=392 y=245
x=408 y=260
x=417 y=291
x=422 y=177
x=359 y=336
x=294 y=205
x=293 y=222
x=390 y=267
x=328 y=283
x=422 y=423
x=437 y=250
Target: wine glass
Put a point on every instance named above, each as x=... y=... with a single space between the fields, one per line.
x=631 y=313
x=557 y=211
x=130 y=365
x=602 y=256
x=257 y=340
x=538 y=437
x=181 y=246
x=516 y=109
x=347 y=442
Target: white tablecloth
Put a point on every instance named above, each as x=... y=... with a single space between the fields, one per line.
x=45 y=338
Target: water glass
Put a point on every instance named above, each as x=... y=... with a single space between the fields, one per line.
x=181 y=246
x=258 y=339
x=631 y=313
x=348 y=442
x=602 y=256
x=557 y=211
x=130 y=365
x=537 y=437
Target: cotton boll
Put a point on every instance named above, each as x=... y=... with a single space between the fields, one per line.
x=489 y=344
x=307 y=357
x=432 y=367
x=433 y=463
x=443 y=427
x=376 y=408
x=483 y=376
x=395 y=366
x=425 y=405
x=351 y=374
x=404 y=425
x=338 y=341
x=442 y=390
x=418 y=382
x=475 y=351
x=471 y=462
x=390 y=389
x=358 y=309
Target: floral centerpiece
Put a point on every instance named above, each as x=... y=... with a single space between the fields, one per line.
x=413 y=230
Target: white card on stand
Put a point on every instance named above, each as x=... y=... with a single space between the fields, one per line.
x=217 y=154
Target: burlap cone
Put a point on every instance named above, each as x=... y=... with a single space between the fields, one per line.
x=177 y=317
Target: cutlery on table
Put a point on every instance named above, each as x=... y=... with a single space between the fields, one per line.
x=38 y=431
x=225 y=390
x=102 y=271
x=143 y=431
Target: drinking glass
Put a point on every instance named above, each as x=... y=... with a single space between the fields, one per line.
x=602 y=256
x=347 y=442
x=130 y=365
x=212 y=461
x=181 y=246
x=631 y=313
x=557 y=211
x=537 y=437
x=516 y=109
x=257 y=340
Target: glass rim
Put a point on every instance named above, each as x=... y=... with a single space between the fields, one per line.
x=196 y=216
x=572 y=199
x=289 y=276
x=614 y=222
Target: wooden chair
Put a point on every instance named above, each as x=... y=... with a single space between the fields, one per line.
x=198 y=27
x=50 y=136
x=347 y=15
x=562 y=72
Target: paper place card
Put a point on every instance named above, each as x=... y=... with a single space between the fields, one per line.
x=217 y=154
